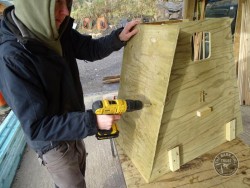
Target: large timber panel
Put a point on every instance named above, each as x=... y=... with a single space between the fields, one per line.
x=158 y=69
x=146 y=68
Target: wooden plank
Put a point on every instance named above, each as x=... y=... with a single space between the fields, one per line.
x=244 y=53
x=147 y=63
x=189 y=9
x=174 y=159
x=197 y=173
x=230 y=130
x=199 y=36
x=204 y=111
x=237 y=31
x=202 y=4
x=111 y=79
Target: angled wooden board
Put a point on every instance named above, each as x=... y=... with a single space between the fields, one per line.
x=216 y=76
x=146 y=69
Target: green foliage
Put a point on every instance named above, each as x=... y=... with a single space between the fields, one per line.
x=113 y=10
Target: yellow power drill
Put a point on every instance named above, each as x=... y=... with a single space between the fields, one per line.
x=113 y=107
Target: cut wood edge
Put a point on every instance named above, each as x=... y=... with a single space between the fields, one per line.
x=111 y=79
x=174 y=159
x=230 y=130
x=204 y=111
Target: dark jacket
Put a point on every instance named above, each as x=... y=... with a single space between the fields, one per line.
x=43 y=88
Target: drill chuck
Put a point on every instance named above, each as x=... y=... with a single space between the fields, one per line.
x=133 y=105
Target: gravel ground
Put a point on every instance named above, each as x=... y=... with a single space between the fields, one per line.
x=92 y=73
x=2 y=117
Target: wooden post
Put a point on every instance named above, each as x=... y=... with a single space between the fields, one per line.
x=188 y=9
x=202 y=9
x=237 y=31
x=243 y=53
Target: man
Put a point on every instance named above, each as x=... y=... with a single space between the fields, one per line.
x=40 y=82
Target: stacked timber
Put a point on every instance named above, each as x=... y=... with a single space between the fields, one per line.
x=12 y=143
x=191 y=105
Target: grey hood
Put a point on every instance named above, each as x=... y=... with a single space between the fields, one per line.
x=38 y=16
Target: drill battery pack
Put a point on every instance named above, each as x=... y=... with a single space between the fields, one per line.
x=108 y=134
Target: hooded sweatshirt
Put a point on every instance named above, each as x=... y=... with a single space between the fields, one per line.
x=42 y=86
x=41 y=25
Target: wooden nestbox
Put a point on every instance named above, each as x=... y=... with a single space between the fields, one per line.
x=185 y=75
x=101 y=23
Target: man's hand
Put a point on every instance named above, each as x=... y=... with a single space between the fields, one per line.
x=129 y=30
x=104 y=122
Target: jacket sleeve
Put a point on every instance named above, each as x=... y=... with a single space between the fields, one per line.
x=24 y=93
x=90 y=49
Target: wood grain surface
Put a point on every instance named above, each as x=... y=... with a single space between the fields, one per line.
x=197 y=173
x=146 y=69
x=158 y=69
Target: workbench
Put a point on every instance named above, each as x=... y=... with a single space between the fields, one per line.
x=200 y=172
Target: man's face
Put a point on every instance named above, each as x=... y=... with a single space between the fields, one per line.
x=61 y=11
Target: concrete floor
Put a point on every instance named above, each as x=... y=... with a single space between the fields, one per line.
x=245 y=135
x=103 y=170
